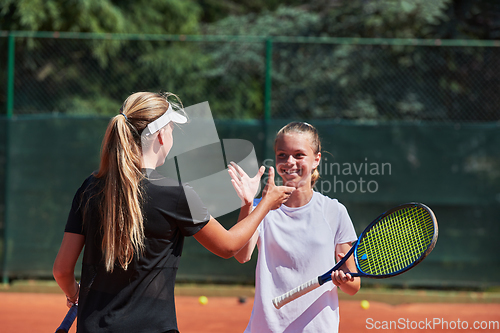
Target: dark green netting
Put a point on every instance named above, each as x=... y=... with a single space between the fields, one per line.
x=455 y=170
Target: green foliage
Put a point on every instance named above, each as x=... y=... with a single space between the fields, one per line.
x=385 y=19
x=215 y=10
x=96 y=74
x=59 y=15
x=140 y=16
x=356 y=81
x=477 y=19
x=162 y=17
x=308 y=80
x=238 y=68
x=285 y=21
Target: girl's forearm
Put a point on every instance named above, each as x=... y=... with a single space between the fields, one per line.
x=226 y=243
x=64 y=265
x=245 y=253
x=249 y=220
x=245 y=210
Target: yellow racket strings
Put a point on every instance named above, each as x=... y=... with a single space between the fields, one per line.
x=396 y=242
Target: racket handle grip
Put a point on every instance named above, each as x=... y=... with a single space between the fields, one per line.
x=328 y=276
x=295 y=293
x=68 y=320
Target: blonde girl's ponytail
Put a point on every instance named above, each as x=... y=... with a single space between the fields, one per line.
x=120 y=169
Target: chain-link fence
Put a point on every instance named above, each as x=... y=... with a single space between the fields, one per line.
x=255 y=77
x=400 y=121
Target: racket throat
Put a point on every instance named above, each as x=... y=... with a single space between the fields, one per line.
x=328 y=275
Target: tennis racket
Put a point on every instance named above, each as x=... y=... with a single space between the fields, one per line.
x=68 y=320
x=393 y=243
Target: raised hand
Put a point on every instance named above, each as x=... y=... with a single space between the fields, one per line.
x=245 y=187
x=276 y=194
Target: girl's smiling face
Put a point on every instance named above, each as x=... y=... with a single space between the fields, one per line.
x=295 y=159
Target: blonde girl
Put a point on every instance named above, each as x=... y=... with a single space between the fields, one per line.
x=298 y=241
x=131 y=223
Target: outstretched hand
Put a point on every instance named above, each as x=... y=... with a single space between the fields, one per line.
x=277 y=194
x=245 y=187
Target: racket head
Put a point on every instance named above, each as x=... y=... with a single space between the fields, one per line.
x=396 y=241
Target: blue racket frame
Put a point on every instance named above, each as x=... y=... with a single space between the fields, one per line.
x=328 y=275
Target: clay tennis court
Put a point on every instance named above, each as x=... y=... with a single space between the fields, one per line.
x=23 y=311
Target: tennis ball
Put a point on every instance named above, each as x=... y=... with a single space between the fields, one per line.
x=365 y=304
x=203 y=300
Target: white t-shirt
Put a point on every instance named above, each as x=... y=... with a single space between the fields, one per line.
x=296 y=245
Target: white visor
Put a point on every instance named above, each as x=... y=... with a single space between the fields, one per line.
x=163 y=121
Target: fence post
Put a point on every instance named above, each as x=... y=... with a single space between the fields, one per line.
x=10 y=75
x=9 y=112
x=267 y=94
x=268 y=79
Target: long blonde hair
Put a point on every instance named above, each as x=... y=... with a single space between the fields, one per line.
x=303 y=128
x=120 y=169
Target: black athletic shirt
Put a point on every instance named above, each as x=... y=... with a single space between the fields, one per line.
x=140 y=299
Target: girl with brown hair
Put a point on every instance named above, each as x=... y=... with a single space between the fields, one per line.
x=131 y=222
x=298 y=241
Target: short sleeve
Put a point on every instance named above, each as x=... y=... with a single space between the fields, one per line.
x=192 y=215
x=74 y=223
x=345 y=230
